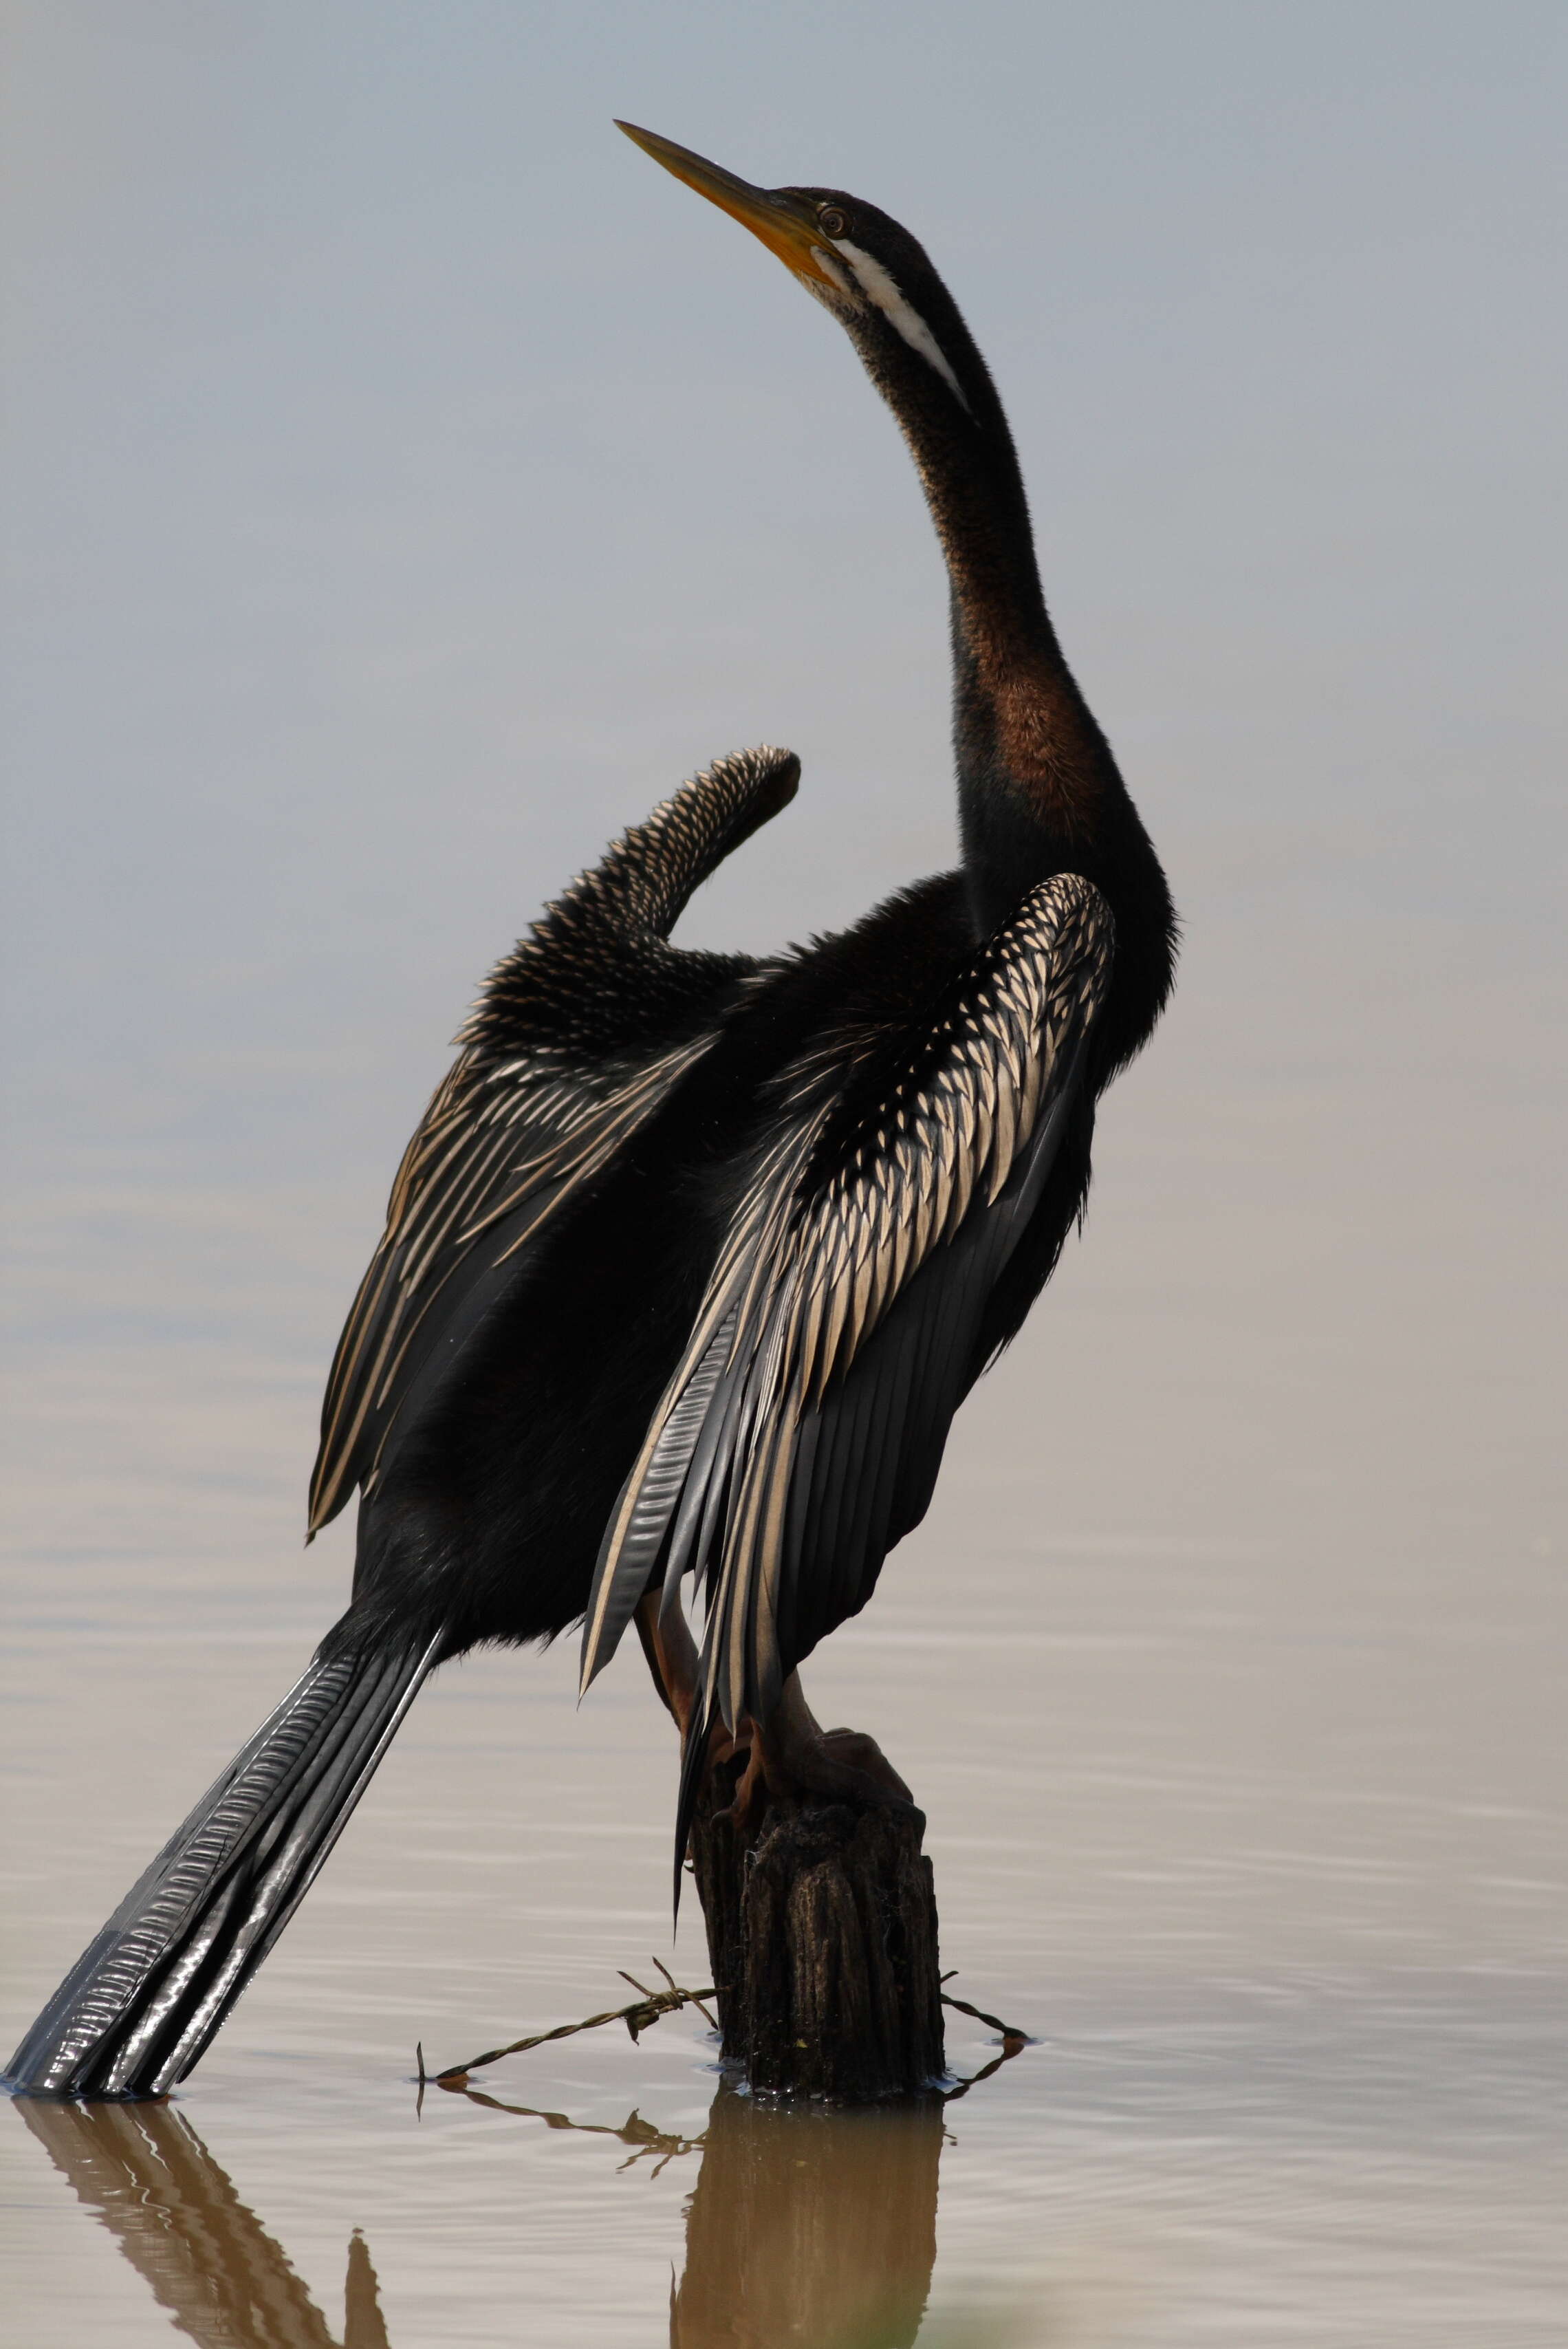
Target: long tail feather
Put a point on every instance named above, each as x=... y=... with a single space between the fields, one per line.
x=143 y=2001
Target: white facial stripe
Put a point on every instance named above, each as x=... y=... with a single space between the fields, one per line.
x=879 y=287
x=830 y=268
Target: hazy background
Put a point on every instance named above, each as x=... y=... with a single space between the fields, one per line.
x=407 y=484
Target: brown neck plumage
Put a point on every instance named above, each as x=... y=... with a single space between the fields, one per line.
x=1034 y=770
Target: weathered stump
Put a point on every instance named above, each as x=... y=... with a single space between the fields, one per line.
x=821 y=1930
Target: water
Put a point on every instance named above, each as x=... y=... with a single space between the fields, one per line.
x=1226 y=1668
x=1292 y=2078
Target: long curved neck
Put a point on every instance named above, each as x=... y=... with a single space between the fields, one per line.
x=1037 y=783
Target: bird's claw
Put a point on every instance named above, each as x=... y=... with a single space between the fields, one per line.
x=744 y=1804
x=841 y=1765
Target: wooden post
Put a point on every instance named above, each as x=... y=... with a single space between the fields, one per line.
x=821 y=1929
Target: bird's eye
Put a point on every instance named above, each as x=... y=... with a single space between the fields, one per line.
x=831 y=221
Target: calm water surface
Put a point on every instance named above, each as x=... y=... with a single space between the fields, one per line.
x=1283 y=2088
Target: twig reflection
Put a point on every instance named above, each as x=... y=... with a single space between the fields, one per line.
x=634 y=2130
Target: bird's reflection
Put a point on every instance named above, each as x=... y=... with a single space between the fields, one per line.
x=204 y=2255
x=805 y=2226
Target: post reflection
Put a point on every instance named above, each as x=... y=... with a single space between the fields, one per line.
x=805 y=2226
x=809 y=2226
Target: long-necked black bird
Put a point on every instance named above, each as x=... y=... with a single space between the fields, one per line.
x=693 y=1257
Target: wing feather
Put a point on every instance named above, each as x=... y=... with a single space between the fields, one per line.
x=847 y=1305
x=578 y=1038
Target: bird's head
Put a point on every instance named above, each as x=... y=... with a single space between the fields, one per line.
x=863 y=267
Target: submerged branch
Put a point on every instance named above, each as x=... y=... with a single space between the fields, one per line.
x=638 y=2017
x=1007 y=2030
x=645 y=2010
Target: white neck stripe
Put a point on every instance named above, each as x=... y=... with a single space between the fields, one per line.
x=880 y=287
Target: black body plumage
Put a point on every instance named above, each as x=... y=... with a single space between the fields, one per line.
x=693 y=1258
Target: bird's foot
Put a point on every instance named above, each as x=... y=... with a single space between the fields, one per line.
x=853 y=1750
x=747 y=1802
x=794 y=1759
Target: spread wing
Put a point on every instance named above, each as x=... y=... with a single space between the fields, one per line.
x=578 y=1037
x=800 y=1436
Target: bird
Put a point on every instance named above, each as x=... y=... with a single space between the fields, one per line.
x=693 y=1257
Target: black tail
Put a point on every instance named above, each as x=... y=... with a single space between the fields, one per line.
x=140 y=2005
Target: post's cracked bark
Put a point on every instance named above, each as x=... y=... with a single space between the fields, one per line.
x=821 y=1928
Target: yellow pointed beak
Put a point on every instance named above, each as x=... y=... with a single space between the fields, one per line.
x=786 y=225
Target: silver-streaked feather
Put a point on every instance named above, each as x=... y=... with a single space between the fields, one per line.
x=816 y=1263
x=546 y=1092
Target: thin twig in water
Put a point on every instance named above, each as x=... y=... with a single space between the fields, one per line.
x=1007 y=2030
x=645 y=2010
x=638 y=2017
x=711 y=2021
